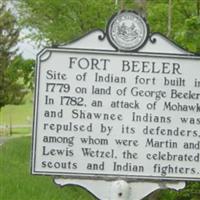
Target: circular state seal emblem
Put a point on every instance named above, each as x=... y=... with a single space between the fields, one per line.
x=127 y=31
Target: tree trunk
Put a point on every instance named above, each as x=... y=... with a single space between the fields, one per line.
x=198 y=7
x=169 y=27
x=141 y=7
x=121 y=4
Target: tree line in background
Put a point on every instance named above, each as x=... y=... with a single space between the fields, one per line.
x=58 y=21
x=15 y=73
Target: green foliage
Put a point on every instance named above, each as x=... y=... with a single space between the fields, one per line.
x=10 y=90
x=167 y=195
x=161 y=13
x=22 y=70
x=190 y=192
x=189 y=35
x=185 y=21
x=59 y=21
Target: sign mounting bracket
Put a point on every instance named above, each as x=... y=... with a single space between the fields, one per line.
x=120 y=189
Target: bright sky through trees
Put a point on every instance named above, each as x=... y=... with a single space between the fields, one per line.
x=27 y=47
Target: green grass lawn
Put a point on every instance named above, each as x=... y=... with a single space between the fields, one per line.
x=15 y=115
x=16 y=182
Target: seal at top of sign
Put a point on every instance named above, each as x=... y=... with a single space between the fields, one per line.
x=127 y=31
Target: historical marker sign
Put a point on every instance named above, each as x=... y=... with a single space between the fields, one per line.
x=101 y=113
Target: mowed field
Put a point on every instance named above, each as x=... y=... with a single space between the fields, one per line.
x=17 y=119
